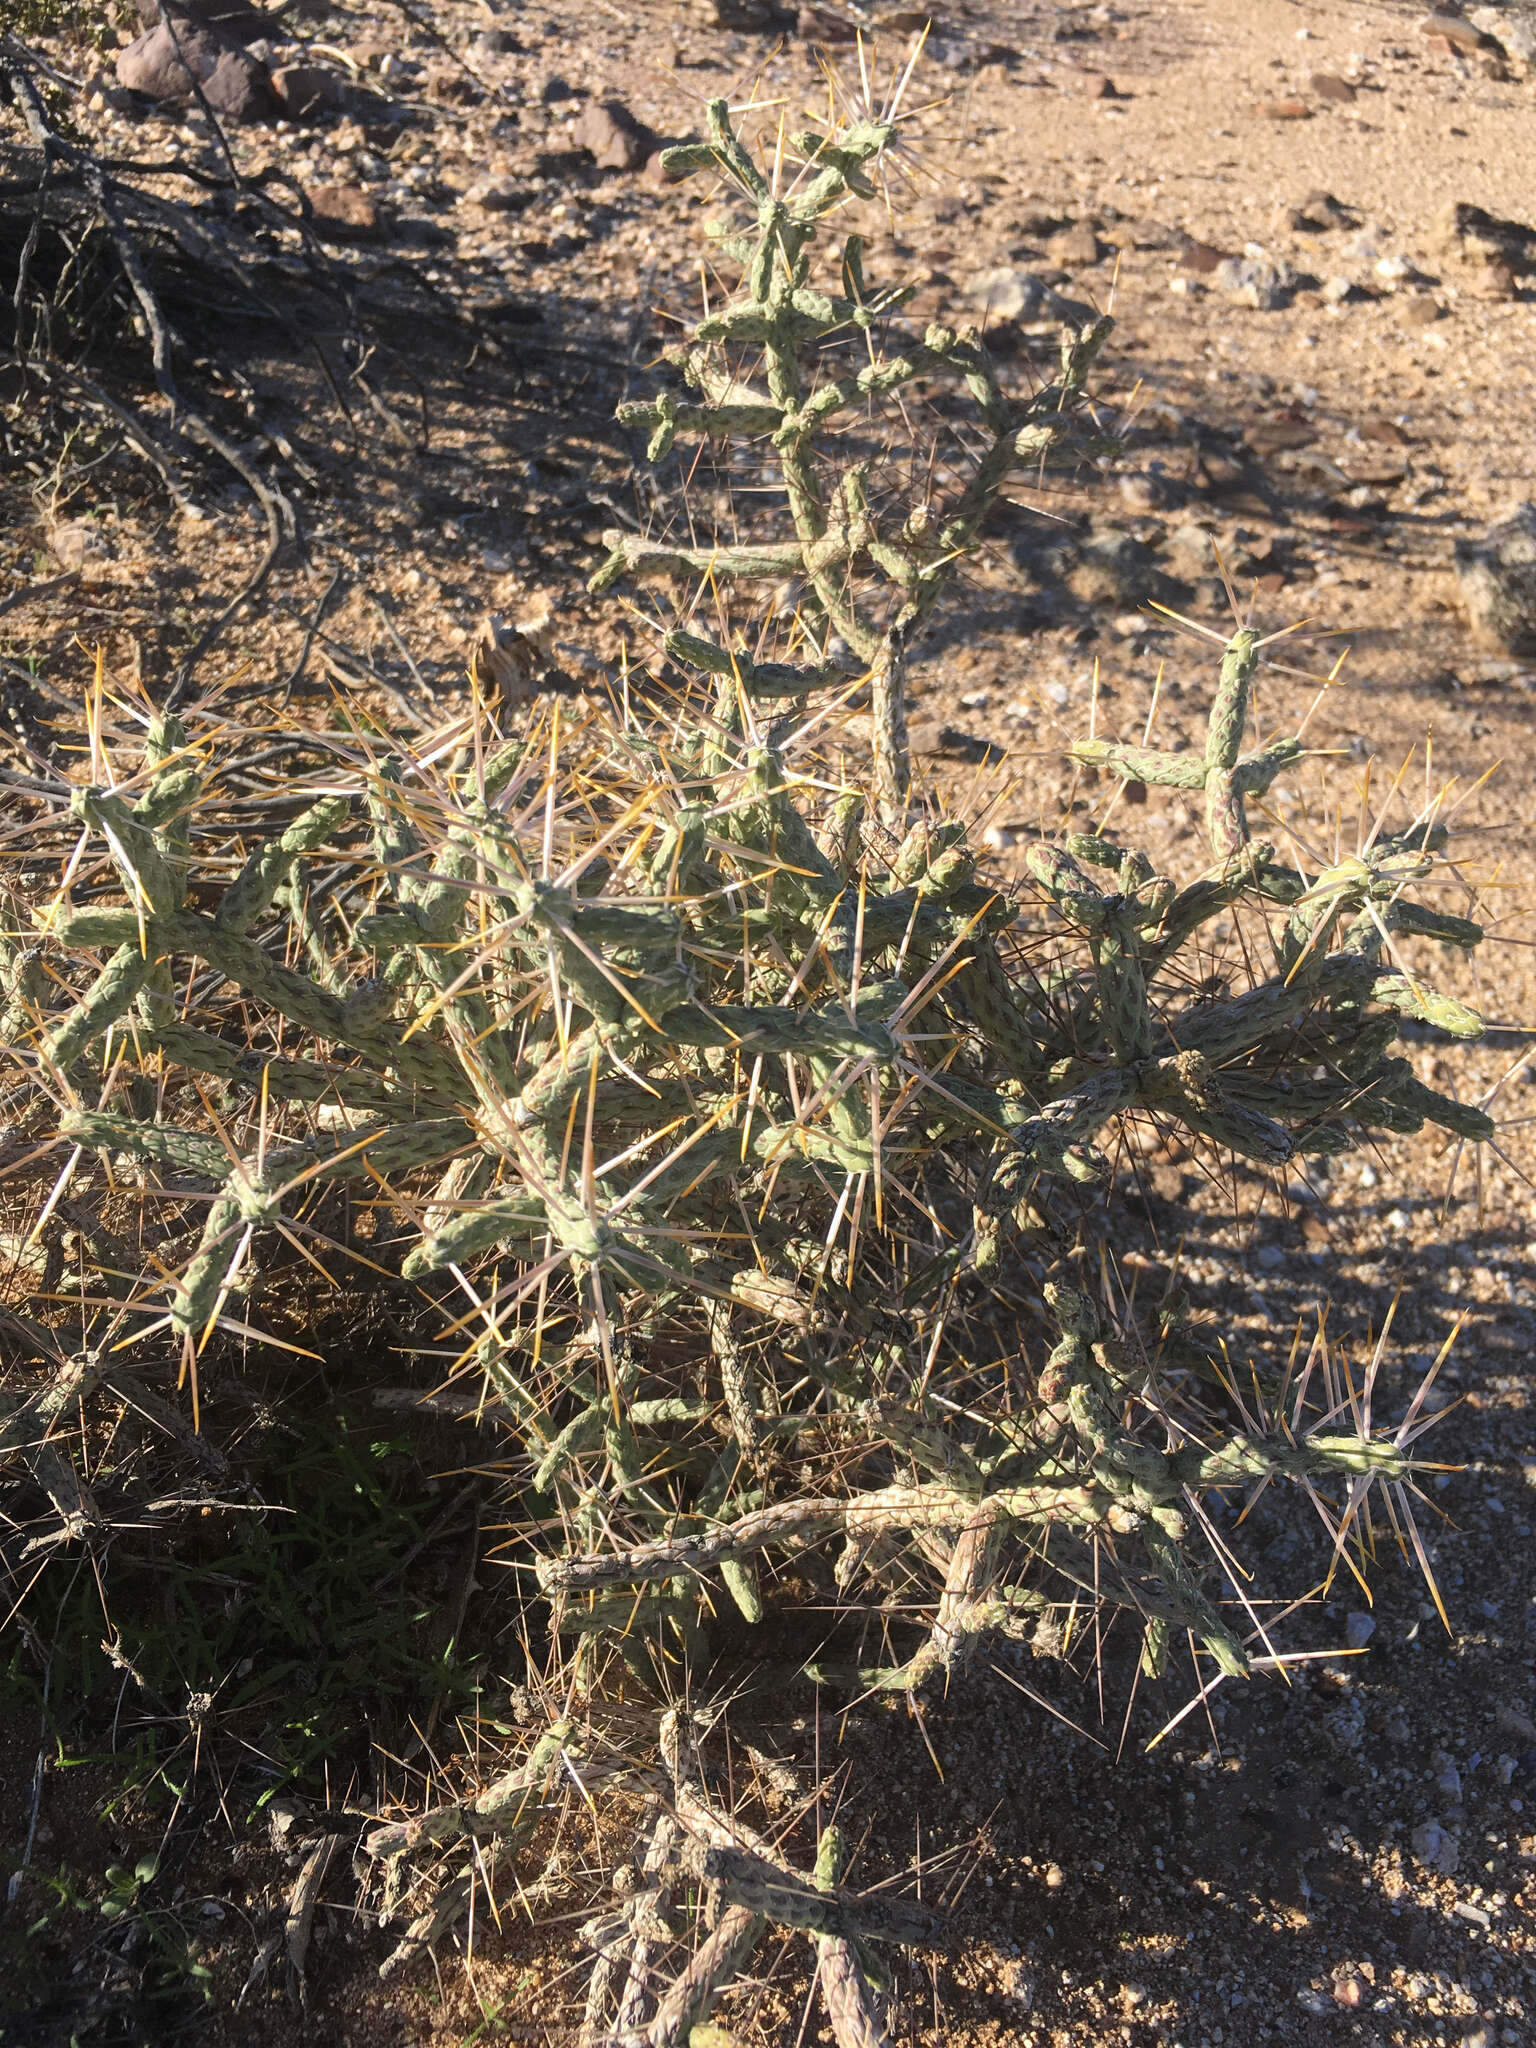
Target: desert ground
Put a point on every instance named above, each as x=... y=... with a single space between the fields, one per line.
x=1315 y=393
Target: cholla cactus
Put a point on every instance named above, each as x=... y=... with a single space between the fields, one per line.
x=691 y=1073
x=735 y=1151
x=794 y=366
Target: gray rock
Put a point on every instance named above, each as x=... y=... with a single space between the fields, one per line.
x=495 y=42
x=1258 y=281
x=162 y=67
x=1517 y=34
x=304 y=90
x=1435 y=1847
x=1447 y=1777
x=236 y=19
x=1012 y=294
x=500 y=195
x=1114 y=568
x=1498 y=583
x=1358 y=1630
x=1476 y=236
x=77 y=543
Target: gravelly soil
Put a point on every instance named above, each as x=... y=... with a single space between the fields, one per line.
x=1264 y=1874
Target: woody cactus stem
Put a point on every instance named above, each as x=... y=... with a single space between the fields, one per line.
x=790 y=364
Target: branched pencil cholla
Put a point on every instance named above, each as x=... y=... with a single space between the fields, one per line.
x=810 y=372
x=739 y=1155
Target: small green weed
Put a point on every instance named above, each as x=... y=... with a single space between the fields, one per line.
x=295 y=1621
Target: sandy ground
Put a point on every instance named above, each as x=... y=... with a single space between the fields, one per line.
x=1255 y=1876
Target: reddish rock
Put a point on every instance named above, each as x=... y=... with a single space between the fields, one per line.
x=162 y=66
x=1350 y=1990
x=345 y=213
x=655 y=174
x=1285 y=110
x=1200 y=258
x=1385 y=432
x=1075 y=248
x=612 y=136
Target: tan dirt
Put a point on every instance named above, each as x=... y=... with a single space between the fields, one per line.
x=1253 y=1878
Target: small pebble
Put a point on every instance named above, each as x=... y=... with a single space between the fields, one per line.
x=1435 y=1848
x=1358 y=1630
x=1350 y=1990
x=1448 y=1779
